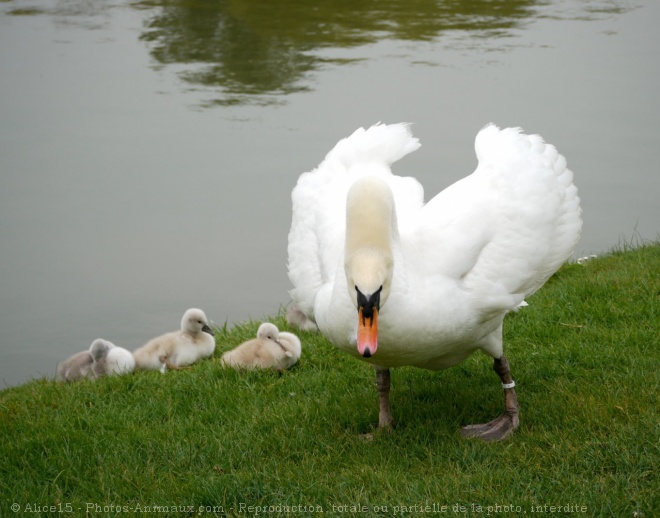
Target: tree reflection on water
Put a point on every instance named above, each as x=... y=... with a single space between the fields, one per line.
x=261 y=50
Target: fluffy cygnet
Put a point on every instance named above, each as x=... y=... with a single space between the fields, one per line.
x=293 y=347
x=110 y=359
x=99 y=351
x=270 y=350
x=120 y=361
x=103 y=358
x=180 y=348
x=75 y=367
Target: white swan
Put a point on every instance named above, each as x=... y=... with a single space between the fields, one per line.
x=271 y=349
x=397 y=282
x=179 y=348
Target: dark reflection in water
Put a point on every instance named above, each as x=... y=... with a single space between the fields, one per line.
x=258 y=51
x=267 y=48
x=88 y=14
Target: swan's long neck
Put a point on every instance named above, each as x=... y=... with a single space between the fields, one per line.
x=371 y=227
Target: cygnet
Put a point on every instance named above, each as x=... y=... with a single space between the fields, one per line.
x=103 y=358
x=75 y=367
x=110 y=359
x=270 y=350
x=180 y=348
x=99 y=351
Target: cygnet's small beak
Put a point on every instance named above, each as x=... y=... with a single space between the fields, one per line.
x=208 y=330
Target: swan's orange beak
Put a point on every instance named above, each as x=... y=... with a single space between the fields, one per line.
x=367 y=335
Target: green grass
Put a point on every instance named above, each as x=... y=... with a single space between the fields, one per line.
x=584 y=354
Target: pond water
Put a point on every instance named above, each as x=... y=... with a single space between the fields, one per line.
x=148 y=149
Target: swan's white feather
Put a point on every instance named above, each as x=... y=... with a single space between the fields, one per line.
x=319 y=201
x=461 y=261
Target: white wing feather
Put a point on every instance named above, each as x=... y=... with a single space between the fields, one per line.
x=506 y=228
x=501 y=232
x=319 y=199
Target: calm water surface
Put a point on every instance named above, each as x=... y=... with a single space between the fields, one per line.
x=148 y=149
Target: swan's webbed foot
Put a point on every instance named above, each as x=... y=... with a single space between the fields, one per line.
x=498 y=429
x=503 y=426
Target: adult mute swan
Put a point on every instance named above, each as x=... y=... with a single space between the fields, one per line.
x=397 y=282
x=271 y=349
x=179 y=348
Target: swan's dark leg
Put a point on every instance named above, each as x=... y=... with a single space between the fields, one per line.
x=506 y=423
x=385 y=419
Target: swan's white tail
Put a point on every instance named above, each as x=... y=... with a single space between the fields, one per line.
x=384 y=143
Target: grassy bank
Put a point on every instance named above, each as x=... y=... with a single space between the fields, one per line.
x=585 y=356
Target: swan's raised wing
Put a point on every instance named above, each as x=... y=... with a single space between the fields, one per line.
x=505 y=229
x=316 y=237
